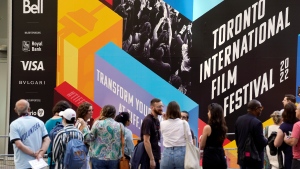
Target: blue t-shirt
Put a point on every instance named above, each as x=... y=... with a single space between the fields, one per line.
x=31 y=131
x=128 y=150
x=50 y=124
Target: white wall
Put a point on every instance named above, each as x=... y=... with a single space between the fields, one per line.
x=3 y=21
x=3 y=101
x=4 y=18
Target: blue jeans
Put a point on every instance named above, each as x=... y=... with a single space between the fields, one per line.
x=173 y=158
x=104 y=164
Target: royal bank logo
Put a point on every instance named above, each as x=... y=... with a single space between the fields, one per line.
x=33 y=6
x=34 y=46
x=26 y=46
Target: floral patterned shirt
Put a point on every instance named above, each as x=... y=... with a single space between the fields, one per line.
x=105 y=139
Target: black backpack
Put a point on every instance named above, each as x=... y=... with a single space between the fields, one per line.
x=271 y=139
x=249 y=150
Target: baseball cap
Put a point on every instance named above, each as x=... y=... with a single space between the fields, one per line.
x=68 y=114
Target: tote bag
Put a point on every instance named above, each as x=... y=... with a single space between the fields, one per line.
x=192 y=154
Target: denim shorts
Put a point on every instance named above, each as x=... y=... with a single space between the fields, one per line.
x=173 y=158
x=104 y=164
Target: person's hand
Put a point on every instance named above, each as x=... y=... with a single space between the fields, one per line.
x=161 y=19
x=164 y=116
x=201 y=154
x=189 y=28
x=81 y=121
x=39 y=154
x=152 y=164
x=182 y=29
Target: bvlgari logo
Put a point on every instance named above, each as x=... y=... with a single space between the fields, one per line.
x=32 y=82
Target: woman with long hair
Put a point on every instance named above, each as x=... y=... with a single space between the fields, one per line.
x=213 y=136
x=84 y=114
x=289 y=119
x=174 y=140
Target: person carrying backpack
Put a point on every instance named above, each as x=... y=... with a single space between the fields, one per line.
x=53 y=125
x=68 y=148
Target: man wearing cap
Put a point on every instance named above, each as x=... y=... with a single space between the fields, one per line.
x=28 y=135
x=63 y=136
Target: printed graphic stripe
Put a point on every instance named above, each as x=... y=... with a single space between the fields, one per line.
x=193 y=9
x=141 y=75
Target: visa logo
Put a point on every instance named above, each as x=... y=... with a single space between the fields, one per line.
x=32 y=65
x=32 y=8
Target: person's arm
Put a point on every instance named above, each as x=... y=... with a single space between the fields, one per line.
x=57 y=147
x=24 y=148
x=279 y=138
x=155 y=37
x=169 y=31
x=148 y=149
x=206 y=132
x=259 y=137
x=129 y=142
x=291 y=141
x=44 y=147
x=188 y=131
x=294 y=138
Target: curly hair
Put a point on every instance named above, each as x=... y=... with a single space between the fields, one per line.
x=60 y=106
x=108 y=111
x=83 y=110
x=217 y=120
x=276 y=117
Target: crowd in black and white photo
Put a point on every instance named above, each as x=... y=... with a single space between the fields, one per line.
x=159 y=37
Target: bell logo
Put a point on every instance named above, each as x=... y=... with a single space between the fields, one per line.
x=32 y=8
x=33 y=65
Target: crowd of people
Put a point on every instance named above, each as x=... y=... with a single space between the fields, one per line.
x=159 y=37
x=109 y=136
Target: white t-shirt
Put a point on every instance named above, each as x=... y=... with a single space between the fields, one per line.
x=172 y=131
x=273 y=159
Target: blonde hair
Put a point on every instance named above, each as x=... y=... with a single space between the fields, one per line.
x=276 y=116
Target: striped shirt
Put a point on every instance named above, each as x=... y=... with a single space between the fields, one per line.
x=61 y=139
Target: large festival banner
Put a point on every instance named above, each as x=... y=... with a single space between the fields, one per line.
x=126 y=52
x=243 y=51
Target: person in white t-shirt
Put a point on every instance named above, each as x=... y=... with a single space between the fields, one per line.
x=173 y=133
x=277 y=119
